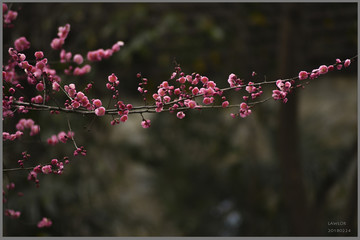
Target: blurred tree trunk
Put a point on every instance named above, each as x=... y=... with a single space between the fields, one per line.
x=294 y=196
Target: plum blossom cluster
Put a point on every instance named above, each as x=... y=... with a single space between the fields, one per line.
x=282 y=91
x=8 y=15
x=58 y=42
x=55 y=167
x=37 y=75
x=100 y=54
x=12 y=213
x=21 y=126
x=80 y=150
x=182 y=92
x=60 y=137
x=25 y=157
x=235 y=82
x=323 y=69
x=285 y=86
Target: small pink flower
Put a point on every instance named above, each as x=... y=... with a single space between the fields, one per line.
x=161 y=92
x=38 y=99
x=112 y=78
x=195 y=91
x=10 y=16
x=211 y=84
x=97 y=103
x=45 y=222
x=177 y=91
x=167 y=99
x=40 y=87
x=124 y=118
x=32 y=176
x=55 y=86
x=116 y=46
x=100 y=111
x=204 y=80
x=21 y=44
x=303 y=75
x=129 y=106
x=180 y=115
x=62 y=136
x=78 y=59
x=243 y=106
x=80 y=95
x=35 y=129
x=225 y=104
x=208 y=100
x=323 y=69
x=191 y=104
x=182 y=80
x=280 y=84
x=250 y=88
x=70 y=134
x=22 y=57
x=53 y=140
x=57 y=43
x=63 y=31
x=39 y=54
x=244 y=110
x=28 y=123
x=146 y=123
x=347 y=63
x=18 y=134
x=46 y=169
x=287 y=86
x=11 y=213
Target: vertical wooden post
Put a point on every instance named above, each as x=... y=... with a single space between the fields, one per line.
x=294 y=196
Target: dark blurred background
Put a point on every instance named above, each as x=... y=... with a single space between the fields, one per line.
x=287 y=170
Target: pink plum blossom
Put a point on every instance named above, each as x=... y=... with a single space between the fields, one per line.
x=40 y=87
x=46 y=169
x=12 y=213
x=112 y=78
x=303 y=75
x=180 y=115
x=57 y=43
x=323 y=69
x=62 y=136
x=21 y=44
x=39 y=54
x=244 y=110
x=123 y=118
x=53 y=140
x=97 y=103
x=347 y=62
x=146 y=123
x=78 y=59
x=225 y=104
x=100 y=111
x=10 y=16
x=45 y=222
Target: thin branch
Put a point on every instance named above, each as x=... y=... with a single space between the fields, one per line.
x=17 y=169
x=151 y=108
